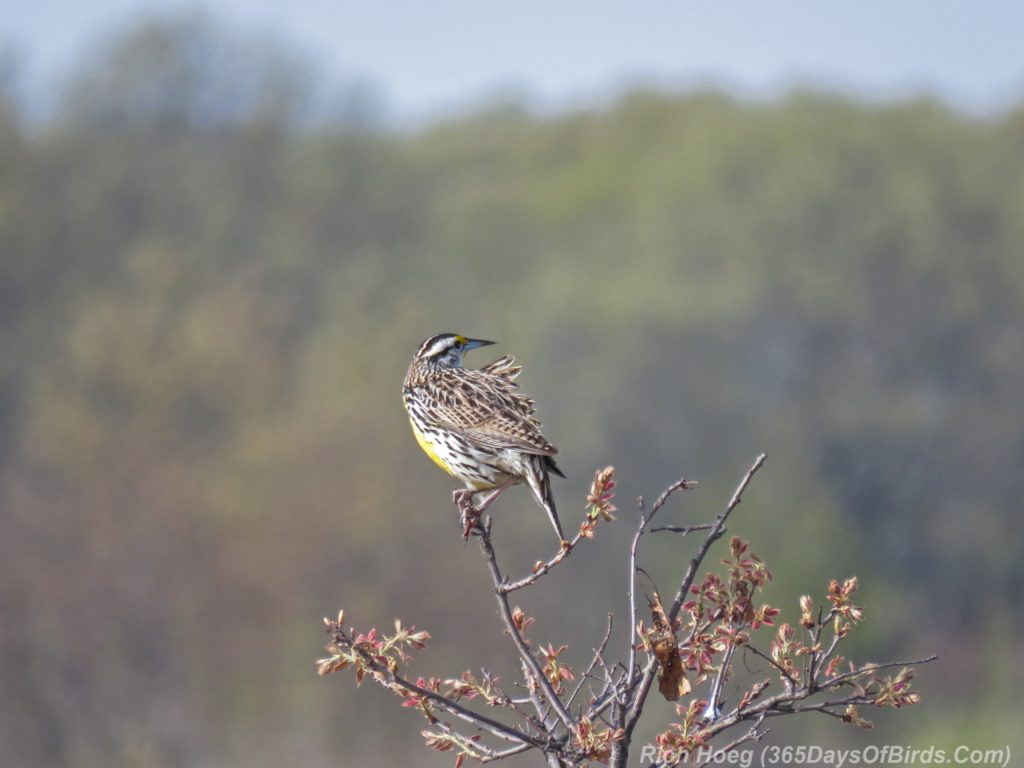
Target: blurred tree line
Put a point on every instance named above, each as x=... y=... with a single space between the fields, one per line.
x=207 y=303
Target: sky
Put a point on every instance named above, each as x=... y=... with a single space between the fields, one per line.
x=434 y=57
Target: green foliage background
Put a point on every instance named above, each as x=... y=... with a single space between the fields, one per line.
x=208 y=306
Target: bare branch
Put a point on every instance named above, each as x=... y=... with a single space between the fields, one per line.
x=598 y=657
x=792 y=702
x=716 y=687
x=390 y=678
x=495 y=756
x=645 y=518
x=683 y=529
x=506 y=614
x=870 y=668
x=630 y=718
x=778 y=668
x=754 y=734
x=541 y=569
x=717 y=529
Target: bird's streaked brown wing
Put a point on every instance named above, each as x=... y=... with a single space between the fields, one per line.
x=484 y=406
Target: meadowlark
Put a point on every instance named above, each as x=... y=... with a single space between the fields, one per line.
x=475 y=425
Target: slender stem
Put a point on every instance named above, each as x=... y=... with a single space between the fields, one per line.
x=792 y=702
x=717 y=529
x=645 y=518
x=716 y=687
x=683 y=529
x=875 y=668
x=598 y=655
x=506 y=614
x=481 y=721
x=543 y=711
x=754 y=734
x=632 y=716
x=494 y=756
x=823 y=662
x=542 y=568
x=778 y=667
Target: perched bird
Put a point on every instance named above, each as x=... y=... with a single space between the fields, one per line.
x=475 y=425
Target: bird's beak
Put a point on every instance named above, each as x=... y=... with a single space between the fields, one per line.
x=474 y=343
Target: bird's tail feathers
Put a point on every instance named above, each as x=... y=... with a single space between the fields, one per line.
x=540 y=484
x=549 y=462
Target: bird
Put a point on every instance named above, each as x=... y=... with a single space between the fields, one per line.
x=475 y=425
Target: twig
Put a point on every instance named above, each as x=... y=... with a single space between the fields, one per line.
x=598 y=657
x=778 y=667
x=715 y=533
x=543 y=712
x=716 y=686
x=645 y=518
x=516 y=706
x=827 y=655
x=753 y=734
x=542 y=568
x=630 y=718
x=506 y=614
x=609 y=693
x=495 y=756
x=683 y=529
x=789 y=702
x=868 y=669
x=498 y=729
x=830 y=713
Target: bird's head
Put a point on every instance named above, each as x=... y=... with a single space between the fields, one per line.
x=446 y=349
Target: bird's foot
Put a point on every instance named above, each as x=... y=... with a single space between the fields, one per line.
x=469 y=515
x=471 y=524
x=463 y=499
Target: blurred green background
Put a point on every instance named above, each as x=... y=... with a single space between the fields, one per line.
x=208 y=302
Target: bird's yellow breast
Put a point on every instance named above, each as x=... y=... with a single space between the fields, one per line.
x=428 y=448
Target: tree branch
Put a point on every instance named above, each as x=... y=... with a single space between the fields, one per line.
x=723 y=615
x=629 y=719
x=683 y=529
x=541 y=569
x=754 y=734
x=717 y=529
x=598 y=657
x=645 y=518
x=389 y=679
x=867 y=669
x=506 y=614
